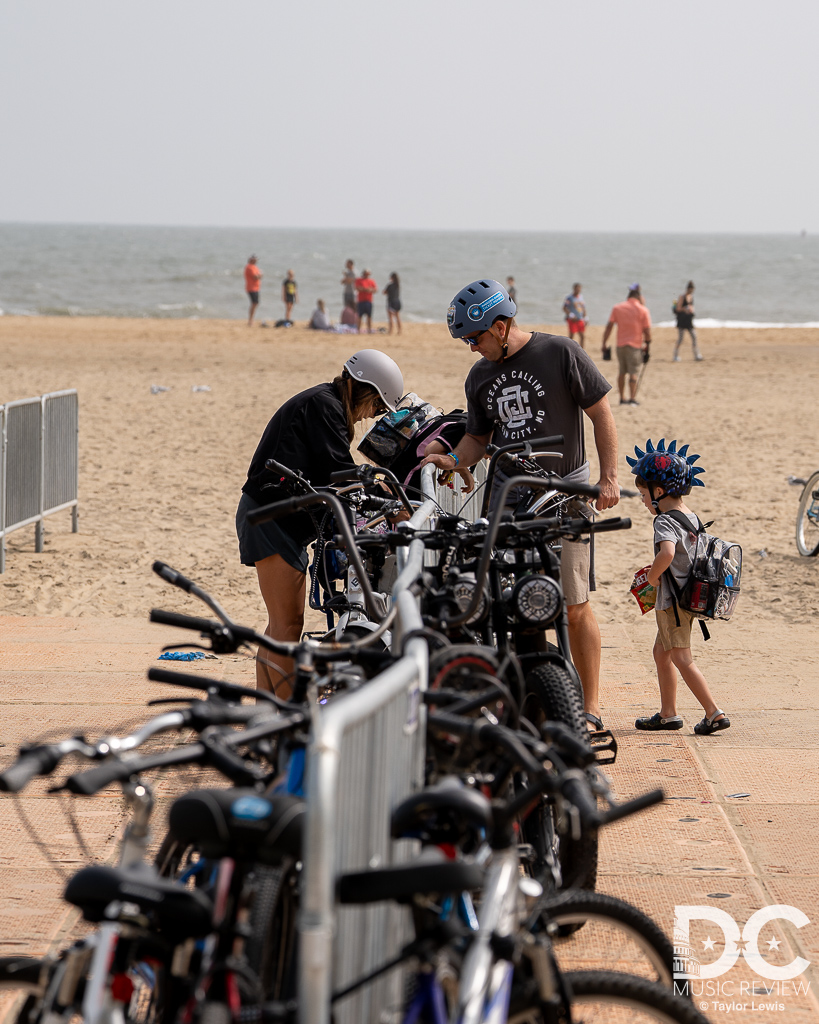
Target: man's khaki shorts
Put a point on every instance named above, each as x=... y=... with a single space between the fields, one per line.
x=630 y=359
x=574 y=571
x=669 y=634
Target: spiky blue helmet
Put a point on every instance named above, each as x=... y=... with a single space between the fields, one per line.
x=673 y=470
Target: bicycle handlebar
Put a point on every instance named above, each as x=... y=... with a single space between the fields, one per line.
x=229 y=691
x=184 y=621
x=39 y=760
x=214 y=748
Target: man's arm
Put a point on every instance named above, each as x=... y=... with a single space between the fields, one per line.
x=605 y=441
x=606 y=336
x=469 y=450
x=646 y=338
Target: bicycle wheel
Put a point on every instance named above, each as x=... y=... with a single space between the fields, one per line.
x=552 y=696
x=807 y=518
x=270 y=947
x=606 y=997
x=615 y=936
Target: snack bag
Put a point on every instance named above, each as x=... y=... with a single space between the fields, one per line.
x=644 y=593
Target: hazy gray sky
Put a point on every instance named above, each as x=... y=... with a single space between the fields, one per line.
x=596 y=115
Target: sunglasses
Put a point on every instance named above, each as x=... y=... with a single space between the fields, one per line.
x=474 y=339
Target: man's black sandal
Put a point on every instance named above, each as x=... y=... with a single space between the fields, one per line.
x=657 y=722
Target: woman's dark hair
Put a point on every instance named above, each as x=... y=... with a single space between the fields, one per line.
x=394 y=277
x=355 y=395
x=689 y=286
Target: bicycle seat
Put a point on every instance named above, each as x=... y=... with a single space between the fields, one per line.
x=177 y=912
x=239 y=823
x=446 y=813
x=401 y=883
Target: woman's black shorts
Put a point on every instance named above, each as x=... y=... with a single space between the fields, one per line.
x=266 y=539
x=254 y=298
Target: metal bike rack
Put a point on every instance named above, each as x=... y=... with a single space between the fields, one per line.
x=39 y=463
x=366 y=755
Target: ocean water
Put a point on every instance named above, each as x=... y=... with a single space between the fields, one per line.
x=179 y=272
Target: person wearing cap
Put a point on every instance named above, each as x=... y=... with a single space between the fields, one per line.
x=528 y=386
x=365 y=289
x=633 y=322
x=253 y=278
x=310 y=432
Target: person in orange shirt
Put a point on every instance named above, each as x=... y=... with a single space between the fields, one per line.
x=253 y=277
x=633 y=340
x=365 y=289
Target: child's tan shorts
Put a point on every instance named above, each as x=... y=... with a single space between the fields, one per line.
x=669 y=634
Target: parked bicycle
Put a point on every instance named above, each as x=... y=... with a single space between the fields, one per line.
x=807 y=516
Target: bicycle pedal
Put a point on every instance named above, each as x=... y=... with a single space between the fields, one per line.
x=604 y=746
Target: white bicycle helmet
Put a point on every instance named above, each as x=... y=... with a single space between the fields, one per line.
x=376 y=368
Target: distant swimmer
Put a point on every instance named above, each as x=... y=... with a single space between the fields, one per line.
x=365 y=288
x=348 y=280
x=574 y=309
x=290 y=295
x=253 y=278
x=393 y=293
x=684 y=311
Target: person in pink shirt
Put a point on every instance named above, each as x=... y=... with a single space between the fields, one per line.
x=633 y=322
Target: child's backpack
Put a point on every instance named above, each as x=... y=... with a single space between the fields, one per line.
x=712 y=588
x=397 y=441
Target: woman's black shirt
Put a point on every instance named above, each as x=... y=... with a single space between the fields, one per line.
x=307 y=433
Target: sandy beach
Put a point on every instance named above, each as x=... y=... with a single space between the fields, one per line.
x=160 y=474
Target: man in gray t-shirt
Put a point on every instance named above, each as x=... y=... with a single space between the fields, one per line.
x=528 y=386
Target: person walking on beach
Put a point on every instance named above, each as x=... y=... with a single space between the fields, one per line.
x=365 y=289
x=664 y=476
x=393 y=293
x=684 y=310
x=574 y=309
x=348 y=280
x=512 y=290
x=253 y=278
x=528 y=386
x=290 y=295
x=633 y=322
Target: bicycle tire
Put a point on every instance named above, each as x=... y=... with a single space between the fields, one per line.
x=551 y=690
x=270 y=947
x=607 y=997
x=559 y=916
x=807 y=515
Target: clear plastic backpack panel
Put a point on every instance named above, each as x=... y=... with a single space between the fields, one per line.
x=389 y=437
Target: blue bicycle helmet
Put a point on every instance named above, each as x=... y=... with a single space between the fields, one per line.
x=673 y=470
x=476 y=307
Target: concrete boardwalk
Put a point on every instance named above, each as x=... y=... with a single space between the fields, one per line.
x=705 y=845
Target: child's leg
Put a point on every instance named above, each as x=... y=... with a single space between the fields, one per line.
x=682 y=658
x=667 y=678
